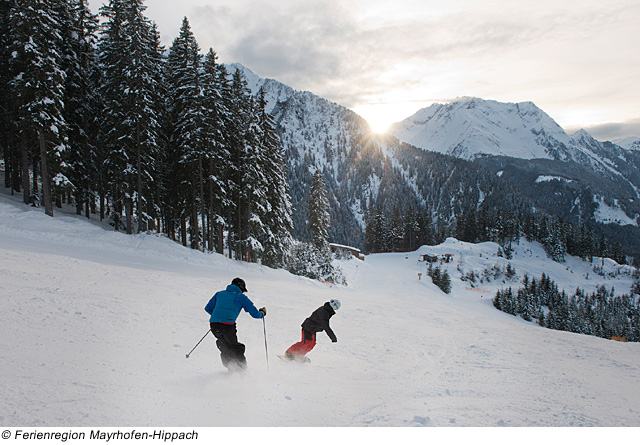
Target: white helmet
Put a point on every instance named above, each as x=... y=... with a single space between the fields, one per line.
x=335 y=304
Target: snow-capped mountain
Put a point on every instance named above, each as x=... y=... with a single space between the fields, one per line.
x=512 y=146
x=364 y=170
x=469 y=127
x=472 y=128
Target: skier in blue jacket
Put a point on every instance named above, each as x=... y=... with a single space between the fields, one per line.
x=224 y=308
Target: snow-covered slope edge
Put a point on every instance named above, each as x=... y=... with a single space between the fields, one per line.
x=96 y=326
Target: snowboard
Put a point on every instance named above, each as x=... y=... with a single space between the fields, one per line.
x=284 y=358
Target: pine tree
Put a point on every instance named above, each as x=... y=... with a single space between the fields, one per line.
x=38 y=91
x=278 y=224
x=218 y=155
x=81 y=103
x=396 y=230
x=555 y=242
x=445 y=282
x=319 y=212
x=319 y=225
x=411 y=230
x=187 y=109
x=376 y=231
x=8 y=129
x=240 y=140
x=113 y=49
x=251 y=190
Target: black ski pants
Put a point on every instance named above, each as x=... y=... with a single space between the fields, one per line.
x=231 y=350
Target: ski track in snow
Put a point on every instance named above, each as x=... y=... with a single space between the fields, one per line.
x=96 y=326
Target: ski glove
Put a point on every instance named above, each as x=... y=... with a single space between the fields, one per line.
x=264 y=311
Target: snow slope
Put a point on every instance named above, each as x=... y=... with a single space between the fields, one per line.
x=96 y=326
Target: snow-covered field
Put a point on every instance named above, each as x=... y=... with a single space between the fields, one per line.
x=96 y=326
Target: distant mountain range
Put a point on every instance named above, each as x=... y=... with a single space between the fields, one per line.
x=450 y=157
x=469 y=127
x=500 y=136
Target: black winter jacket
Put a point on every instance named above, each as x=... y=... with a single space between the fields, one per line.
x=319 y=321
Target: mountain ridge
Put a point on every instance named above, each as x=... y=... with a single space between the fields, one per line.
x=364 y=170
x=469 y=127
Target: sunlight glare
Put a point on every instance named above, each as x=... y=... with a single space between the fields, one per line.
x=381 y=116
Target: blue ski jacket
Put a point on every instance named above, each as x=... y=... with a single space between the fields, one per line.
x=225 y=306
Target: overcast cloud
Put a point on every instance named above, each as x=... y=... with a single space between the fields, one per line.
x=576 y=59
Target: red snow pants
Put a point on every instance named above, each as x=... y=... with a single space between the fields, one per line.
x=304 y=346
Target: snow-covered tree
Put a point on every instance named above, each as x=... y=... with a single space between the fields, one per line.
x=38 y=88
x=8 y=145
x=81 y=103
x=187 y=112
x=319 y=211
x=217 y=153
x=130 y=58
x=376 y=231
x=278 y=224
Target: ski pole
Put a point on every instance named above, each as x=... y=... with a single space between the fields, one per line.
x=198 y=343
x=266 y=351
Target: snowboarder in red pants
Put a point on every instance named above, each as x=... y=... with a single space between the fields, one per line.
x=318 y=321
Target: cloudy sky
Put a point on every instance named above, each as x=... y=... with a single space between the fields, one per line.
x=578 y=60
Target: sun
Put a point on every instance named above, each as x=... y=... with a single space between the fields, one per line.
x=377 y=115
x=381 y=116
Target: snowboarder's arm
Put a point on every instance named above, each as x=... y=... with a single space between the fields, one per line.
x=330 y=333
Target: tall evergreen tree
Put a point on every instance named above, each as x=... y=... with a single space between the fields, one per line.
x=113 y=49
x=218 y=156
x=7 y=120
x=376 y=231
x=187 y=110
x=130 y=56
x=37 y=83
x=240 y=140
x=319 y=211
x=278 y=223
x=253 y=201
x=396 y=230
x=81 y=102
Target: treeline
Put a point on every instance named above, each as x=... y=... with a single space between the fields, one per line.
x=400 y=233
x=407 y=232
x=99 y=115
x=558 y=237
x=601 y=313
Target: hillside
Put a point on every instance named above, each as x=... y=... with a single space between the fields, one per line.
x=96 y=325
x=364 y=171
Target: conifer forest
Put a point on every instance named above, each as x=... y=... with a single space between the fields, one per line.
x=96 y=113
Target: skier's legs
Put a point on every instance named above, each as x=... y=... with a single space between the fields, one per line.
x=304 y=346
x=231 y=350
